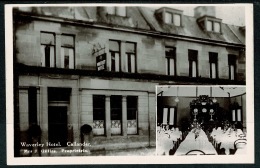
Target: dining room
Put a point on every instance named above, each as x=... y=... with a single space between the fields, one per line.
x=201 y=120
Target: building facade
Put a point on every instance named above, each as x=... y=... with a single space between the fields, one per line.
x=99 y=66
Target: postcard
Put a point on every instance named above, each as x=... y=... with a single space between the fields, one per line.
x=129 y=83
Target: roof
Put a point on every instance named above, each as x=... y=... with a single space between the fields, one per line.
x=143 y=18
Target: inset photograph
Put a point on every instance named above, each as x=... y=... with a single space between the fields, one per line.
x=201 y=120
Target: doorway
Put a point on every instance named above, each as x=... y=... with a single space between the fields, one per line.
x=57 y=119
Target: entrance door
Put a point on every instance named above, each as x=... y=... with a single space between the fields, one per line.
x=57 y=117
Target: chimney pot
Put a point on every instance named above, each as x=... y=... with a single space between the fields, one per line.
x=201 y=11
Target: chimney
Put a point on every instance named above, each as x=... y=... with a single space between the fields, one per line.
x=204 y=11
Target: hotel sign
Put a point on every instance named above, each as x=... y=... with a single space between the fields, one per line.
x=101 y=62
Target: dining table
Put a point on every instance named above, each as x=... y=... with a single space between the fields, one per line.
x=200 y=143
x=227 y=138
x=166 y=139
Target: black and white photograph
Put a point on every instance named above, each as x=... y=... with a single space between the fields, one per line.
x=201 y=120
x=89 y=80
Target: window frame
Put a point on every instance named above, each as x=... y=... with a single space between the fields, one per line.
x=168 y=57
x=172 y=19
x=193 y=57
x=129 y=54
x=45 y=45
x=119 y=107
x=111 y=52
x=128 y=109
x=69 y=47
x=213 y=58
x=235 y=109
x=99 y=108
x=232 y=59
x=175 y=115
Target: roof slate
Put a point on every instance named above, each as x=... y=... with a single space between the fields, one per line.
x=144 y=18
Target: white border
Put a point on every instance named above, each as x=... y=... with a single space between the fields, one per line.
x=249 y=158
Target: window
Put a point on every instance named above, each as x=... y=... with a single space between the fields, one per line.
x=48 y=49
x=116 y=114
x=132 y=114
x=114 y=50
x=67 y=51
x=169 y=116
x=193 y=63
x=232 y=66
x=213 y=26
x=168 y=17
x=172 y=18
x=237 y=114
x=119 y=11
x=32 y=100
x=209 y=25
x=213 y=61
x=130 y=50
x=170 y=56
x=217 y=27
x=177 y=19
x=98 y=114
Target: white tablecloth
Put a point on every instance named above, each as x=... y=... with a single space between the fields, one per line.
x=166 y=140
x=227 y=138
x=201 y=143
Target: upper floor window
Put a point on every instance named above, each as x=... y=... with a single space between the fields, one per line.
x=193 y=63
x=66 y=59
x=169 y=16
x=217 y=27
x=209 y=25
x=67 y=51
x=213 y=61
x=213 y=26
x=232 y=66
x=130 y=50
x=114 y=51
x=116 y=10
x=170 y=56
x=172 y=18
x=48 y=49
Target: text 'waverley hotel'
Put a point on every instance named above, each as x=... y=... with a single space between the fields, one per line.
x=99 y=66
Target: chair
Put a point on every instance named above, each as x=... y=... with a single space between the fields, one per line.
x=195 y=152
x=240 y=143
x=240 y=146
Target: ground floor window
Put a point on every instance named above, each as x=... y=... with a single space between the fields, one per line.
x=131 y=114
x=116 y=115
x=98 y=114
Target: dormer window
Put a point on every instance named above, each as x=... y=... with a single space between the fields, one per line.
x=172 y=18
x=117 y=10
x=216 y=27
x=210 y=24
x=169 y=16
x=213 y=26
